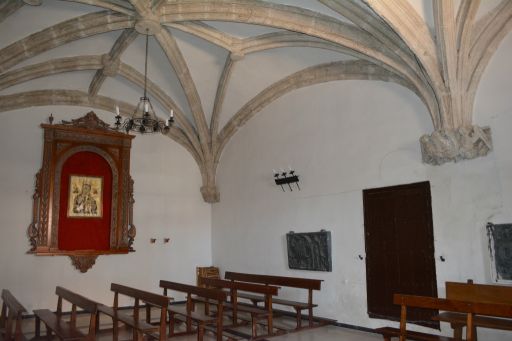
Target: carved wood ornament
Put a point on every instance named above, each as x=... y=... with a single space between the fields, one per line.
x=90 y=135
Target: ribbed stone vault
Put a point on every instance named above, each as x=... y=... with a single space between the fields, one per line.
x=385 y=40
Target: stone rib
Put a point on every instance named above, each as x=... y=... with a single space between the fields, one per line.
x=136 y=77
x=359 y=70
x=484 y=48
x=70 y=64
x=444 y=17
x=49 y=68
x=303 y=21
x=115 y=6
x=9 y=7
x=121 y=44
x=363 y=18
x=79 y=98
x=219 y=99
x=59 y=34
x=206 y=32
x=177 y=61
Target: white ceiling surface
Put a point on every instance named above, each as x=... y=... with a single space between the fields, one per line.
x=205 y=61
x=272 y=66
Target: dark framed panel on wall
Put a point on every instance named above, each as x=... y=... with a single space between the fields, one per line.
x=83 y=201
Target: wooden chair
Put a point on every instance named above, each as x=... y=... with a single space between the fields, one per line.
x=56 y=323
x=11 y=318
x=206 y=272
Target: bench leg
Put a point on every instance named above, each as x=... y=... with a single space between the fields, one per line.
x=115 y=330
x=38 y=327
x=310 y=315
x=171 y=323
x=200 y=332
x=97 y=323
x=299 y=318
x=270 y=328
x=219 y=331
x=189 y=324
x=457 y=331
x=254 y=326
x=135 y=334
x=148 y=314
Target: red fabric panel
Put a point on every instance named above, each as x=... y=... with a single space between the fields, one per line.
x=85 y=233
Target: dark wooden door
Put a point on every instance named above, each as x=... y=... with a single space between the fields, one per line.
x=399 y=243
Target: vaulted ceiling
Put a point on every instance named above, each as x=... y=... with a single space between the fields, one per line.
x=436 y=48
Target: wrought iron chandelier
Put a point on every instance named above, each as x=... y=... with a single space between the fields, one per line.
x=144 y=119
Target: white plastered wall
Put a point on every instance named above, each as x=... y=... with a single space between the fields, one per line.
x=168 y=204
x=344 y=137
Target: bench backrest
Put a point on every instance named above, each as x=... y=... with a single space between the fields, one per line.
x=295 y=282
x=213 y=294
x=148 y=297
x=76 y=300
x=466 y=307
x=486 y=293
x=11 y=316
x=243 y=286
x=82 y=302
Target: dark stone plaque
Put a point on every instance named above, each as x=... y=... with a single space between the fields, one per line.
x=500 y=247
x=309 y=251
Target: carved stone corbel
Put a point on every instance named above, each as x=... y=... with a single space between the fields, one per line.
x=454 y=145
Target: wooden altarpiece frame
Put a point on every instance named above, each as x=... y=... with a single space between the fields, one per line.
x=61 y=141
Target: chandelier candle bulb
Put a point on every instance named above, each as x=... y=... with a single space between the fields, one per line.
x=146 y=107
x=117 y=110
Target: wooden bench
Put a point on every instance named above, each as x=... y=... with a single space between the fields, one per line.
x=256 y=313
x=188 y=313
x=468 y=309
x=476 y=293
x=55 y=323
x=282 y=281
x=140 y=328
x=11 y=317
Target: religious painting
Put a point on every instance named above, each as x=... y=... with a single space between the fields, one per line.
x=85 y=197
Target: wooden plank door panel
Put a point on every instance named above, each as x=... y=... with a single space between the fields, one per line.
x=399 y=244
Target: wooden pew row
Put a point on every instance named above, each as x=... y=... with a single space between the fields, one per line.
x=63 y=329
x=476 y=293
x=469 y=309
x=11 y=317
x=256 y=313
x=140 y=328
x=282 y=281
x=188 y=314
